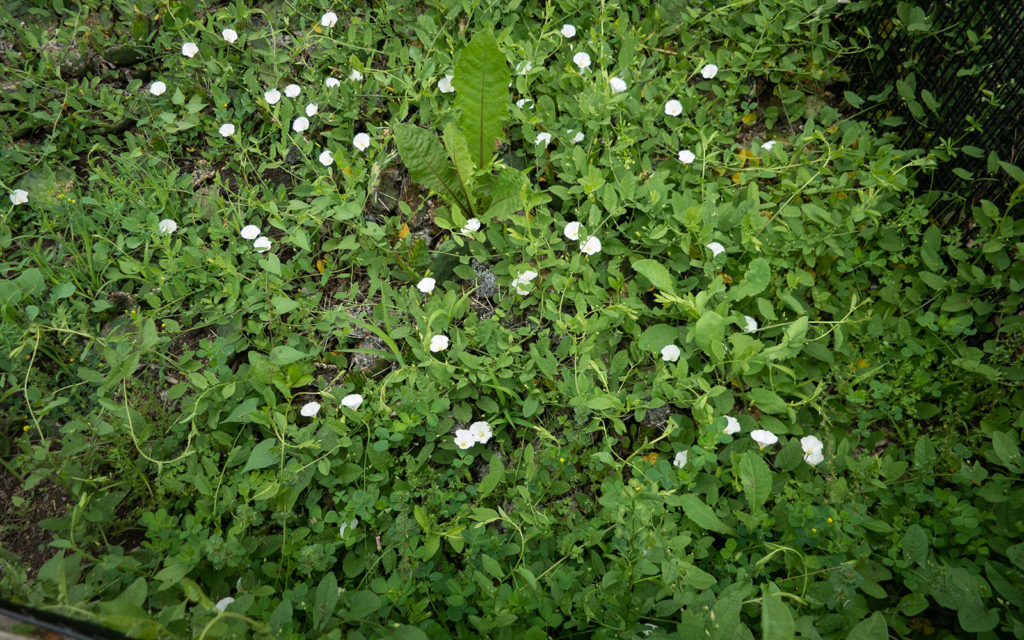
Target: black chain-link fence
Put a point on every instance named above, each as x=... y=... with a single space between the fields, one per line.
x=953 y=72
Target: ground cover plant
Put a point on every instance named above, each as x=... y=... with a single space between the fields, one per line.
x=528 y=319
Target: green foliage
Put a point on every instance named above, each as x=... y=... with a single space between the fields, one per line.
x=280 y=428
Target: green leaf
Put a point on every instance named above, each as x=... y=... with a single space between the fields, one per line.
x=455 y=144
x=241 y=412
x=756 y=478
x=776 y=618
x=360 y=604
x=428 y=164
x=767 y=400
x=874 y=628
x=695 y=577
x=702 y=515
x=974 y=618
x=931 y=242
x=657 y=336
x=283 y=305
x=286 y=355
x=493 y=478
x=261 y=456
x=657 y=274
x=326 y=600
x=491 y=566
x=915 y=544
x=756 y=280
x=481 y=94
x=853 y=99
x=407 y=632
x=709 y=332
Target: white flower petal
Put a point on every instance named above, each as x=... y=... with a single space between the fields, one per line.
x=272 y=96
x=543 y=138
x=591 y=245
x=361 y=141
x=262 y=244
x=426 y=285
x=20 y=196
x=763 y=437
x=732 y=425
x=300 y=124
x=229 y=34
x=481 y=431
x=353 y=401
x=709 y=71
x=686 y=156
x=568 y=31
x=329 y=19
x=292 y=90
x=223 y=603
x=166 y=225
x=572 y=231
x=581 y=60
x=355 y=76
x=250 y=232
x=670 y=353
x=226 y=130
x=310 y=409
x=312 y=109
x=189 y=49
x=444 y=85
x=471 y=225
x=680 y=460
x=618 y=85
x=716 y=248
x=750 y=326
x=326 y=158
x=673 y=108
x=439 y=343
x=157 y=88
x=332 y=82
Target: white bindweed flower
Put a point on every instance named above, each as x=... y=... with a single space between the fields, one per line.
x=716 y=248
x=272 y=96
x=811 y=444
x=686 y=156
x=673 y=108
x=572 y=230
x=680 y=460
x=524 y=68
x=522 y=102
x=312 y=109
x=464 y=439
x=310 y=409
x=301 y=124
x=591 y=246
x=481 y=431
x=189 y=49
x=581 y=60
x=292 y=91
x=543 y=138
x=763 y=437
x=261 y=244
x=471 y=225
x=814 y=458
x=166 y=225
x=576 y=139
x=326 y=158
x=617 y=84
x=767 y=146
x=709 y=71
x=332 y=82
x=250 y=232
x=355 y=76
x=444 y=85
x=670 y=353
x=20 y=196
x=347 y=526
x=329 y=19
x=750 y=325
x=732 y=425
x=352 y=401
x=226 y=130
x=439 y=343
x=568 y=31
x=361 y=141
x=223 y=603
x=157 y=88
x=524 y=278
x=230 y=35
x=426 y=285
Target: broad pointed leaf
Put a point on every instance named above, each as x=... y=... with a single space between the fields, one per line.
x=481 y=93
x=428 y=164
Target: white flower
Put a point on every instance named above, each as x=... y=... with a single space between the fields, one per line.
x=686 y=156
x=751 y=324
x=361 y=141
x=581 y=60
x=355 y=76
x=350 y=525
x=166 y=225
x=471 y=225
x=444 y=85
x=332 y=82
x=464 y=439
x=811 y=444
x=301 y=124
x=312 y=109
x=524 y=278
x=426 y=285
x=292 y=90
x=261 y=244
x=763 y=438
x=226 y=130
x=673 y=108
x=439 y=343
x=591 y=246
x=716 y=248
x=578 y=137
x=481 y=431
x=272 y=96
x=767 y=146
x=229 y=34
x=543 y=138
x=352 y=401
x=521 y=102
x=223 y=603
x=524 y=67
x=157 y=88
x=189 y=49
x=326 y=158
x=329 y=19
x=814 y=458
x=617 y=84
x=572 y=231
x=20 y=196
x=709 y=71
x=309 y=409
x=250 y=232
x=568 y=31
x=670 y=353
x=732 y=425
x=680 y=460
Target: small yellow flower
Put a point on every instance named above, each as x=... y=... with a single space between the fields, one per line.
x=814 y=530
x=829 y=520
x=560 y=459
